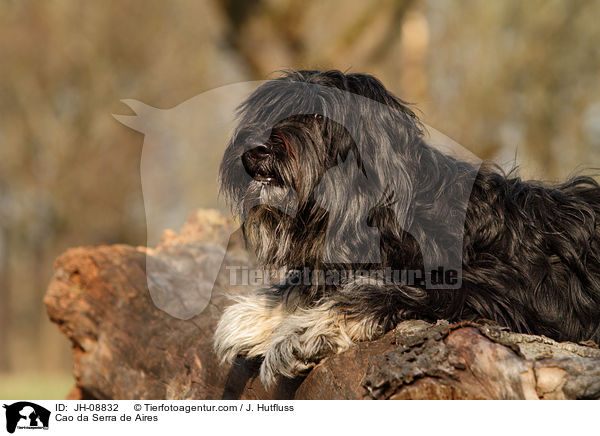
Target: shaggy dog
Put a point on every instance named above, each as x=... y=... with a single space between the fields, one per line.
x=333 y=179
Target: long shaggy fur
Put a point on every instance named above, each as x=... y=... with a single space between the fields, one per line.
x=295 y=172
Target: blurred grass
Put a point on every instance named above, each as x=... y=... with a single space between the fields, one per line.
x=35 y=386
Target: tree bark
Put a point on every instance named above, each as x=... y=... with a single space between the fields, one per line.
x=124 y=347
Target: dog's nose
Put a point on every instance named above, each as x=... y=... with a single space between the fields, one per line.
x=260 y=152
x=253 y=158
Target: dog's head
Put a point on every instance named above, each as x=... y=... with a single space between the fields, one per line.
x=314 y=154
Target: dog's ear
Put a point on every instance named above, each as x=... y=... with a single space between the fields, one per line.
x=388 y=141
x=373 y=168
x=344 y=193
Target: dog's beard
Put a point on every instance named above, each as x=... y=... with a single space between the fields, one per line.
x=269 y=214
x=278 y=199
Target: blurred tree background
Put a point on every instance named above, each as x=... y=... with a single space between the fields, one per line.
x=515 y=82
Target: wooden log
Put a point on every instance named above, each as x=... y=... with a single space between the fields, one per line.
x=125 y=347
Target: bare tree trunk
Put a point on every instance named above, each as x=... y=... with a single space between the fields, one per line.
x=124 y=347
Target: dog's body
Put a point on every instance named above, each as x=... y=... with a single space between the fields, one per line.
x=529 y=253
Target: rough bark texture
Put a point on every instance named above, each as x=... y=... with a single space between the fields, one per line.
x=124 y=347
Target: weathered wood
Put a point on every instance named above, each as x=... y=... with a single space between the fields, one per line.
x=124 y=347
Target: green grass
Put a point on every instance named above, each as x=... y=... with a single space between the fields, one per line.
x=35 y=386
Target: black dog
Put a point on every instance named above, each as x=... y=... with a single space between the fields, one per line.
x=331 y=174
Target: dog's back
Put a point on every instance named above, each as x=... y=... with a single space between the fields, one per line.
x=532 y=255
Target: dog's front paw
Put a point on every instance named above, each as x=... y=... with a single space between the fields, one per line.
x=245 y=328
x=303 y=340
x=286 y=356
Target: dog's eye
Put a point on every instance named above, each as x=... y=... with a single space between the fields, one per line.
x=318 y=117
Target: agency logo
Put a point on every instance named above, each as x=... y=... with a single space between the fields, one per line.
x=24 y=415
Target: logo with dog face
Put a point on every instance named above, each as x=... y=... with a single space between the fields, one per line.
x=26 y=415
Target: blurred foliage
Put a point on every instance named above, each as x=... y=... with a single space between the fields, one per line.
x=513 y=81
